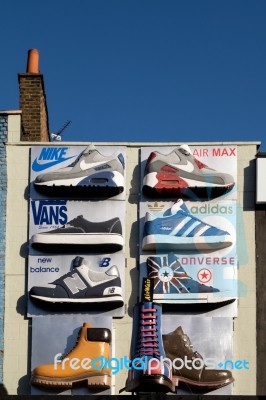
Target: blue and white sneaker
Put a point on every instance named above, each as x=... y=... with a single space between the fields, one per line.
x=173 y=284
x=91 y=172
x=178 y=229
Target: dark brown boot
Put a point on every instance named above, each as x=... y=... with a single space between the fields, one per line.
x=177 y=346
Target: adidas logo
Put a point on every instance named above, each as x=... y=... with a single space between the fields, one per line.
x=155 y=206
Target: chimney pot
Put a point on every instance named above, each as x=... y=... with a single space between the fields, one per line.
x=33 y=62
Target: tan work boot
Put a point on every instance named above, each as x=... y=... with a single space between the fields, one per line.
x=177 y=346
x=79 y=365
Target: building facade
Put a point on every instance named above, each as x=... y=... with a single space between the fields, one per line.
x=18 y=326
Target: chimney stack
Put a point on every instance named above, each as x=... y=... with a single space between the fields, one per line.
x=35 y=124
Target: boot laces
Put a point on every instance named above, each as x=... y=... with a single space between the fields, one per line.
x=148 y=337
x=190 y=346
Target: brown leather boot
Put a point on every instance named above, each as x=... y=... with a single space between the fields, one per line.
x=177 y=345
x=77 y=366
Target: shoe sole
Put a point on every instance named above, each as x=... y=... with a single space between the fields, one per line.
x=112 y=180
x=93 y=381
x=97 y=185
x=88 y=239
x=165 y=242
x=151 y=383
x=168 y=185
x=207 y=385
x=92 y=300
x=76 y=192
x=192 y=298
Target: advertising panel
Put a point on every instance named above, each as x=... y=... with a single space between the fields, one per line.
x=78 y=172
x=63 y=225
x=64 y=352
x=187 y=255
x=76 y=284
x=209 y=341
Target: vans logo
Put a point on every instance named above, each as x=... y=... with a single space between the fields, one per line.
x=49 y=212
x=49 y=157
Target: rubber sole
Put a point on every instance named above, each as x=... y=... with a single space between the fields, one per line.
x=101 y=184
x=88 y=239
x=92 y=381
x=168 y=242
x=202 y=385
x=82 y=191
x=192 y=298
x=76 y=301
x=150 y=383
x=202 y=193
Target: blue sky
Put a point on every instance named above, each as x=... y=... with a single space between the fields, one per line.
x=142 y=70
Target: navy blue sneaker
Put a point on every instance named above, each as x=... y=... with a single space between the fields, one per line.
x=84 y=284
x=171 y=282
x=178 y=229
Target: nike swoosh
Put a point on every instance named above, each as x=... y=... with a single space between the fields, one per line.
x=40 y=167
x=188 y=167
x=83 y=165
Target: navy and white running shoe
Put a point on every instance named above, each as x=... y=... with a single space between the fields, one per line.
x=180 y=173
x=178 y=229
x=84 y=284
x=172 y=283
x=91 y=171
x=81 y=232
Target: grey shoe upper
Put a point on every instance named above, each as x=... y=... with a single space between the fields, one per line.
x=89 y=161
x=193 y=168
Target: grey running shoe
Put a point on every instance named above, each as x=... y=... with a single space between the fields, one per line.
x=181 y=173
x=90 y=171
x=84 y=284
x=79 y=231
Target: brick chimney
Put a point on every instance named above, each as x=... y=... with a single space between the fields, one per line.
x=35 y=123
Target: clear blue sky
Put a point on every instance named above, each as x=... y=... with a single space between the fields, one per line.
x=142 y=70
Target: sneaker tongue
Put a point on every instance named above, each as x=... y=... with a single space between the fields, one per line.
x=176 y=207
x=77 y=262
x=185 y=147
x=179 y=205
x=89 y=149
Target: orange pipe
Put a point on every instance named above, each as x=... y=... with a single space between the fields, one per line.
x=33 y=61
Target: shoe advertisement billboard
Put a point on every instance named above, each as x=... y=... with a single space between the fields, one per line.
x=78 y=172
x=67 y=361
x=193 y=341
x=64 y=225
x=76 y=265
x=187 y=266
x=187 y=224
x=76 y=283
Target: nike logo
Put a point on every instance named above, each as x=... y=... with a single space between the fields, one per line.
x=188 y=167
x=83 y=165
x=41 y=167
